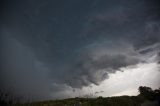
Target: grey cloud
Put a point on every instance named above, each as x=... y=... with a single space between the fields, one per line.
x=59 y=45
x=151 y=31
x=21 y=73
x=95 y=65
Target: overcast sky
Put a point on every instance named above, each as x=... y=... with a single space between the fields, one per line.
x=68 y=48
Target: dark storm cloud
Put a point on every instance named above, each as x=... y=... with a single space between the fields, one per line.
x=64 y=44
x=95 y=63
x=21 y=72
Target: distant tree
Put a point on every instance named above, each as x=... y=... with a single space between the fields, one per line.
x=147 y=92
x=3 y=98
x=6 y=99
x=100 y=97
x=157 y=94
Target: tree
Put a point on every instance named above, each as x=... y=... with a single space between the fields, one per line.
x=157 y=94
x=147 y=92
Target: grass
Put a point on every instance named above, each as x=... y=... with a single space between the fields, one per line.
x=100 y=101
x=147 y=95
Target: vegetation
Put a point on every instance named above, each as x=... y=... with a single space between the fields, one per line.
x=146 y=94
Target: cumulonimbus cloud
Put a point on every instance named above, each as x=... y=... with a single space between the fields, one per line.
x=65 y=46
x=96 y=62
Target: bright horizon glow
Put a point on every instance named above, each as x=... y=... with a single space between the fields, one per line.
x=128 y=81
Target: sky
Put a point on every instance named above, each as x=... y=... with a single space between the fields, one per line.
x=55 y=49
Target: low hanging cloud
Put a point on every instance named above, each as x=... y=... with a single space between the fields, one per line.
x=95 y=63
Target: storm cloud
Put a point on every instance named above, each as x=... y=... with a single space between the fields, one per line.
x=94 y=64
x=56 y=45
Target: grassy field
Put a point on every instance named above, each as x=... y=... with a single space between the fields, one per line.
x=147 y=97
x=100 y=101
